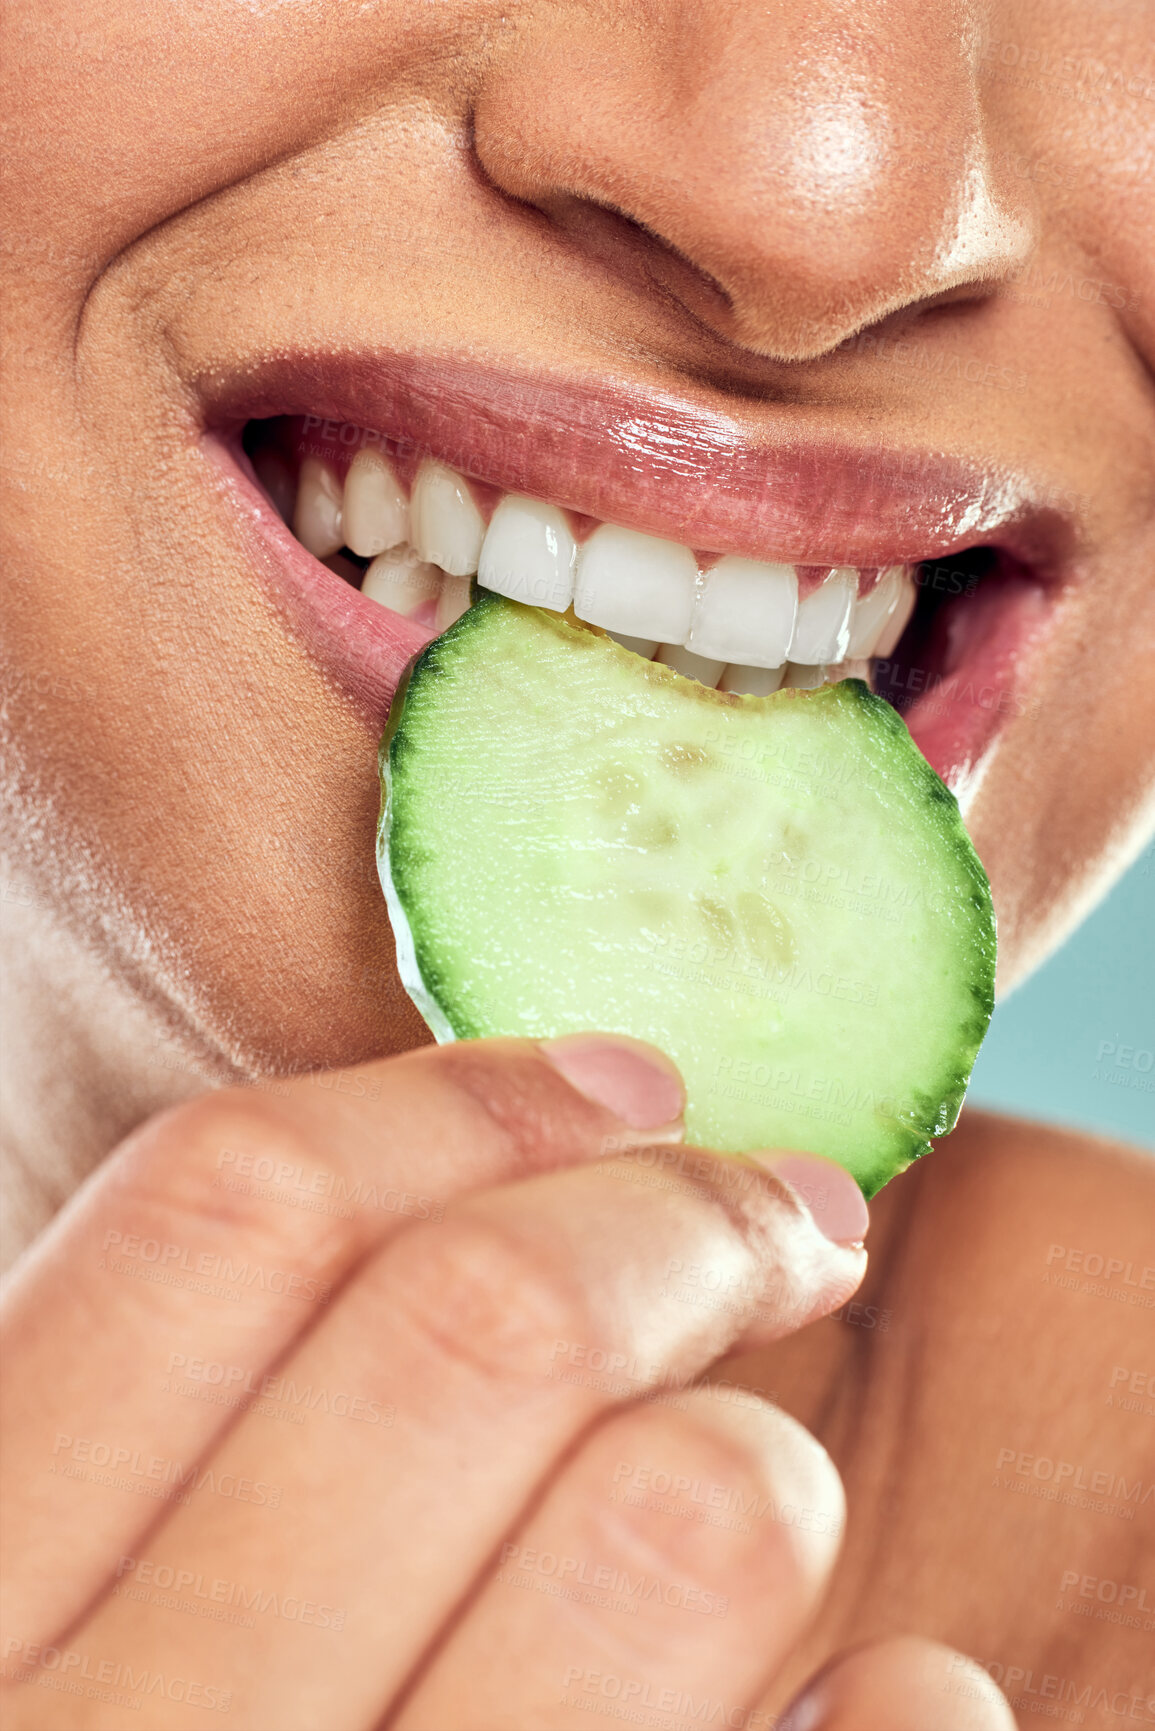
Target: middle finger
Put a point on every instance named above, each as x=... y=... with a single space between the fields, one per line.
x=476 y=1333
x=673 y=1563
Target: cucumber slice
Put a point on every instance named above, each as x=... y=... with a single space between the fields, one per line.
x=778 y=891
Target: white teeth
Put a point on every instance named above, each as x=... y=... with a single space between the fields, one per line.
x=447 y=527
x=752 y=681
x=635 y=584
x=317 y=517
x=822 y=627
x=738 y=625
x=858 y=668
x=872 y=612
x=401 y=580
x=643 y=646
x=689 y=665
x=375 y=515
x=899 y=619
x=801 y=677
x=404 y=582
x=745 y=611
x=529 y=554
x=452 y=601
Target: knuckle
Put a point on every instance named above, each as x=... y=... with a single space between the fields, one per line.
x=680 y=1491
x=708 y=1489
x=513 y=1099
x=179 y=1174
x=485 y=1298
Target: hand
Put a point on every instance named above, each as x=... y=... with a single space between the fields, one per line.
x=329 y=1408
x=970 y=1394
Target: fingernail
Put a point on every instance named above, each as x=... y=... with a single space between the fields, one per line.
x=805 y=1711
x=829 y=1192
x=636 y=1082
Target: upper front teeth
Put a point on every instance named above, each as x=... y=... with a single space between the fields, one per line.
x=375 y=515
x=822 y=628
x=317 y=518
x=739 y=621
x=873 y=613
x=745 y=611
x=529 y=554
x=635 y=583
x=448 y=529
x=895 y=620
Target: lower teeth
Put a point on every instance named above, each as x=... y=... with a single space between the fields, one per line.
x=416 y=589
x=736 y=602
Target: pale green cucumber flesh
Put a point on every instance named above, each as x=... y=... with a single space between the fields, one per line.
x=779 y=892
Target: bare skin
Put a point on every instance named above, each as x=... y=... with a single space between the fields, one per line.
x=928 y=221
x=449 y=1441
x=998 y=1355
x=370 y=148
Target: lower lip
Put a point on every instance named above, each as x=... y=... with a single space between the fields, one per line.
x=957 y=690
x=362 y=646
x=954 y=714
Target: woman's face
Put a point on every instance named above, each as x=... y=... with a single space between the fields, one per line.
x=834 y=283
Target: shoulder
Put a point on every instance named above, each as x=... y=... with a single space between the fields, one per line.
x=994 y=1135
x=1042 y=1168
x=1016 y=1203
x=1014 y=1174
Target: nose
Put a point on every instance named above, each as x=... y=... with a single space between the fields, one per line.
x=791 y=171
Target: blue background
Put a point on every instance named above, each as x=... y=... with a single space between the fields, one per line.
x=1047 y=1055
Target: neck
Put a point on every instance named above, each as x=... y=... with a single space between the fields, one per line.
x=86 y=1059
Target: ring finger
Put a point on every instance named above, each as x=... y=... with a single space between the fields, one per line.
x=673 y=1564
x=459 y=1329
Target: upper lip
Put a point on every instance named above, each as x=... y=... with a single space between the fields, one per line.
x=745 y=480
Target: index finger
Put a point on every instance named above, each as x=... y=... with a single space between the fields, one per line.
x=217 y=1234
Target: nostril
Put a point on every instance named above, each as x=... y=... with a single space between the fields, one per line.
x=784 y=183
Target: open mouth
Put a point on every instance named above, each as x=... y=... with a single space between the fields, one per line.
x=414 y=544
x=825 y=565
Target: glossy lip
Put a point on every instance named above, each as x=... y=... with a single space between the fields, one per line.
x=727 y=483
x=954 y=703
x=363 y=647
x=647 y=460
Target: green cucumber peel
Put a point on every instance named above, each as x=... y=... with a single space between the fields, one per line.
x=777 y=891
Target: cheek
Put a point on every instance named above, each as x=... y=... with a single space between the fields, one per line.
x=197 y=799
x=1067 y=797
x=174 y=105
